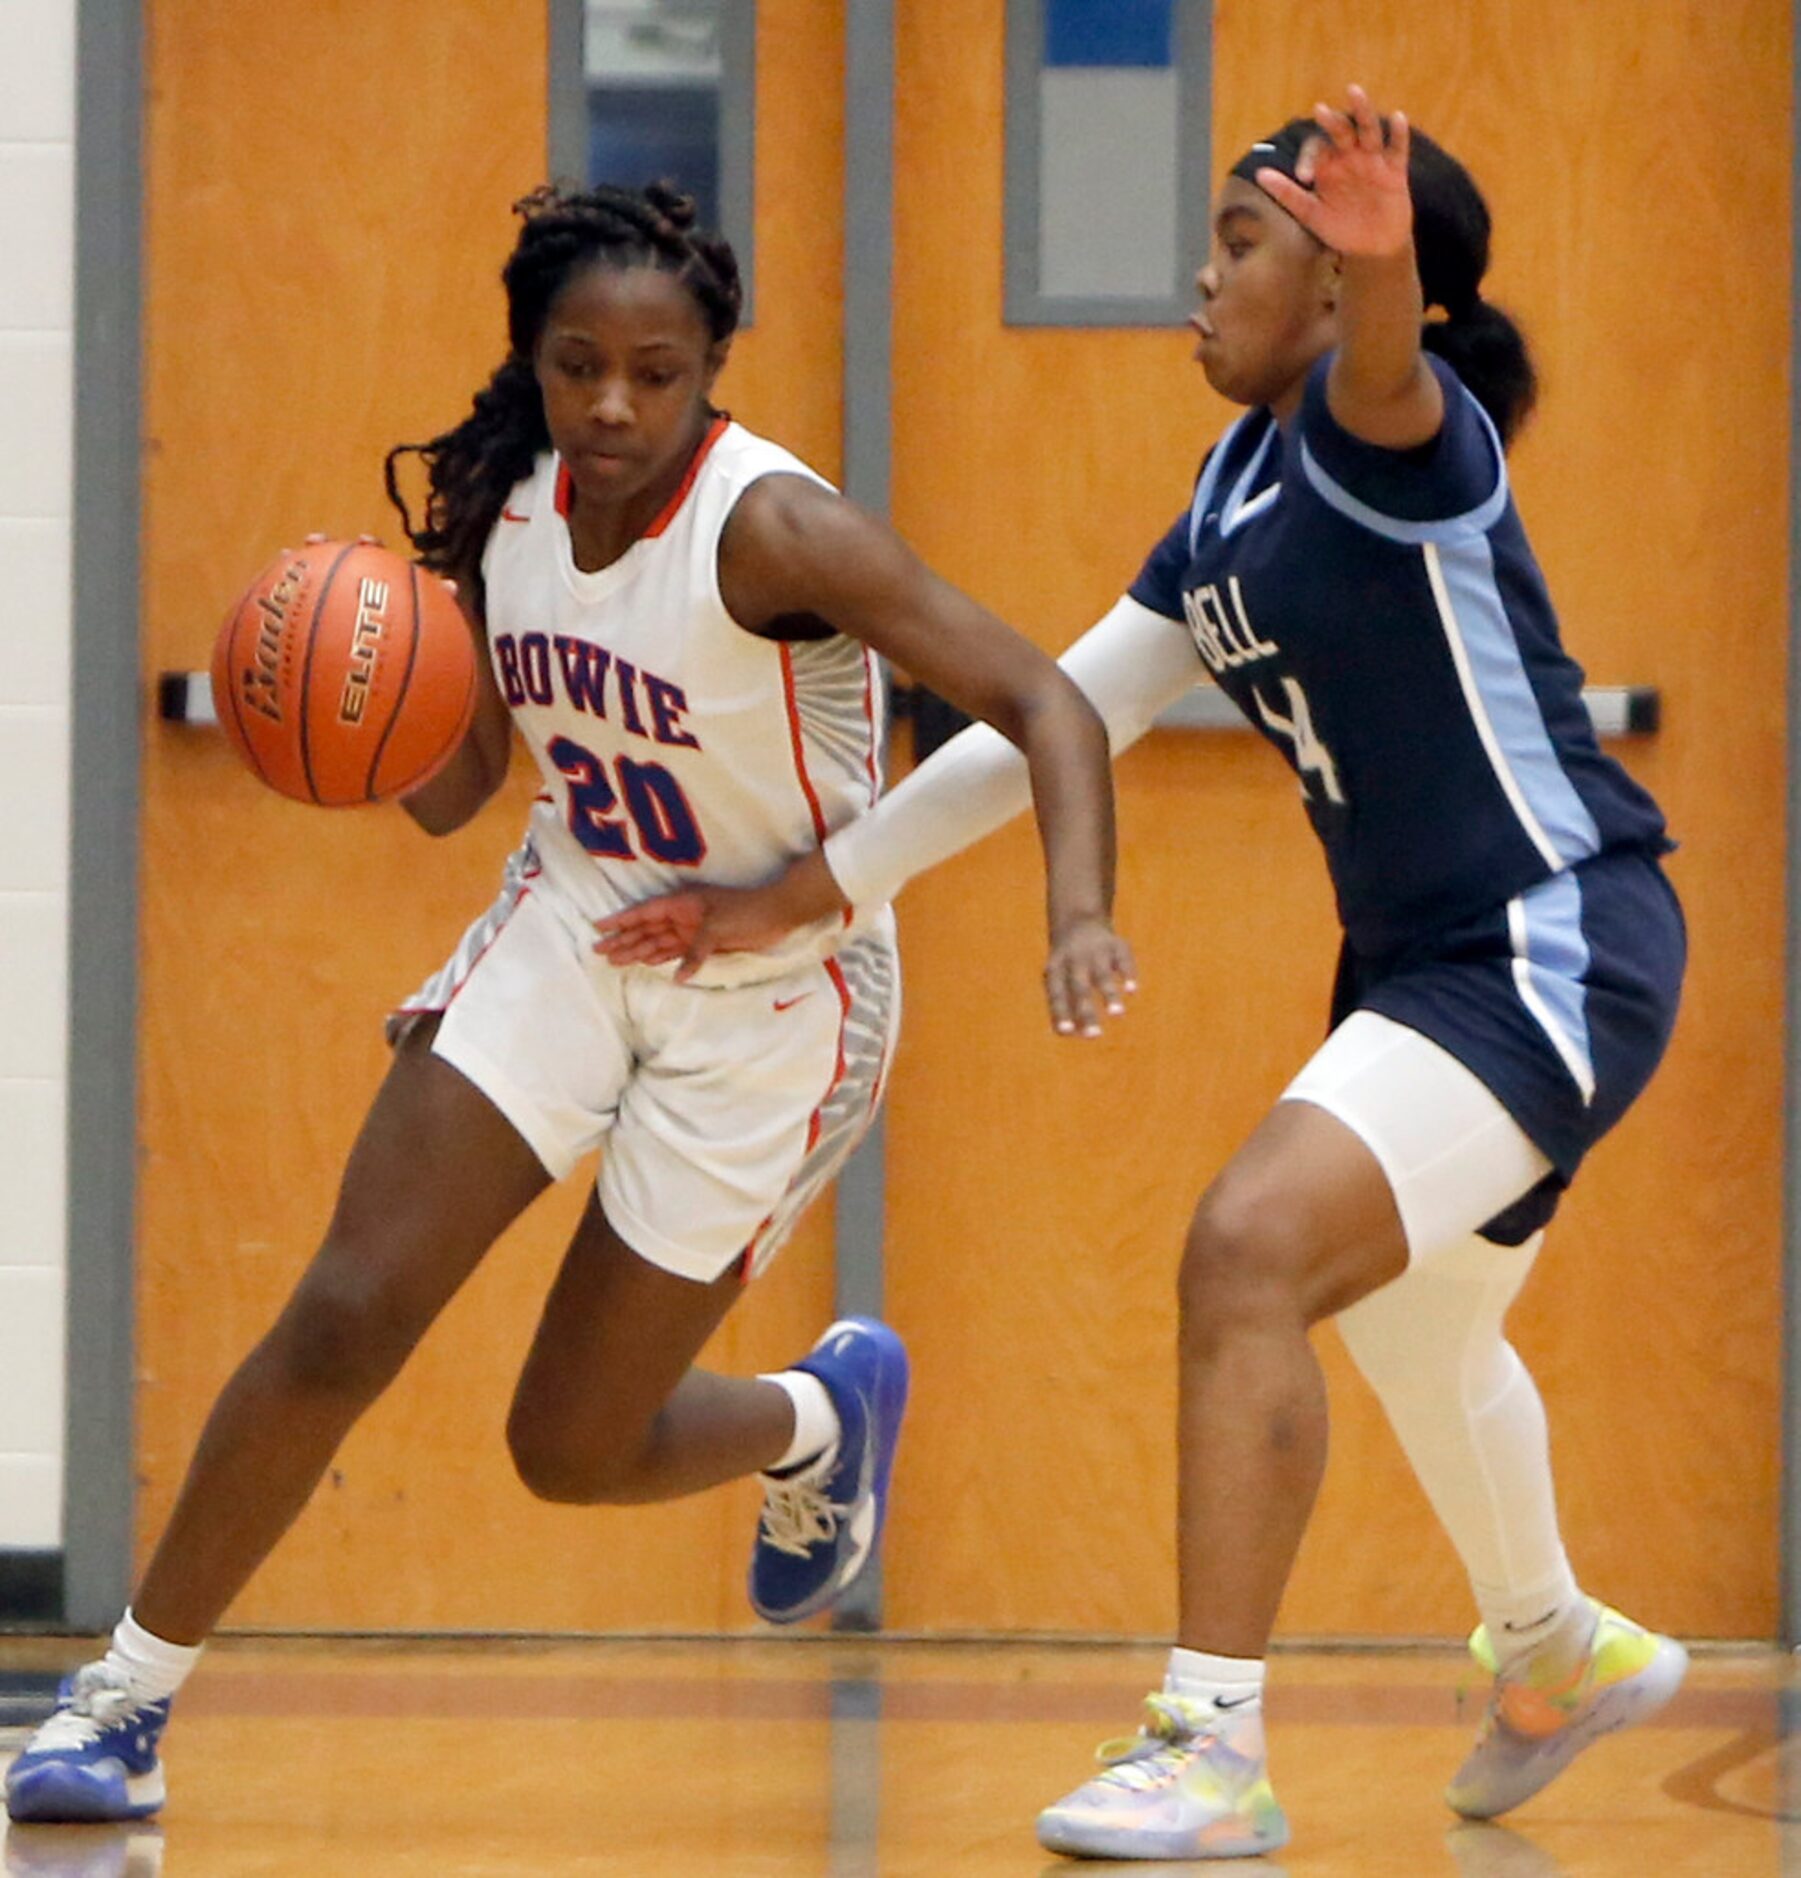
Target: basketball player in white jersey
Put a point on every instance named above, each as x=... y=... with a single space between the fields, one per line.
x=682 y=623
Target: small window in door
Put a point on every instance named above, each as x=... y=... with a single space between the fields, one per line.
x=1107 y=141
x=653 y=90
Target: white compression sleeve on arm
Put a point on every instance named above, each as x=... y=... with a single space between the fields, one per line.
x=1130 y=664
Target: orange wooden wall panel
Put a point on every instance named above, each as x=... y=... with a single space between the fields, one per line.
x=327 y=217
x=1637 y=162
x=322 y=280
x=786 y=376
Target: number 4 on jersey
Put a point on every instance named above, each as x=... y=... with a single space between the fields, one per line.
x=1311 y=757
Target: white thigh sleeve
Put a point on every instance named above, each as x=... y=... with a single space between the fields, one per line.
x=1130 y=664
x=1453 y=1155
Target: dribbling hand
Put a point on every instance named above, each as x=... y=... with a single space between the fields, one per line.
x=1358 y=202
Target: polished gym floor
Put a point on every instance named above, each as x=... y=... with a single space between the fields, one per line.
x=837 y=1758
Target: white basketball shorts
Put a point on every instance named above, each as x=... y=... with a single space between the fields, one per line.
x=722 y=1112
x=1453 y=1155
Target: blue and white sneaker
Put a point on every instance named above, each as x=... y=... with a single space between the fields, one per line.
x=821 y=1527
x=95 y=1758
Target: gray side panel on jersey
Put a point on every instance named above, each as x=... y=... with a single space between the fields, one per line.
x=103 y=818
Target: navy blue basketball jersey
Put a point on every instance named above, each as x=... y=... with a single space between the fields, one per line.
x=1379 y=616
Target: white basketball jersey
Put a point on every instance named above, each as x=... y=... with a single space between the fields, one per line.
x=675 y=746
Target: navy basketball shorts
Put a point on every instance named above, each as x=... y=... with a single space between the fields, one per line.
x=1559 y=1003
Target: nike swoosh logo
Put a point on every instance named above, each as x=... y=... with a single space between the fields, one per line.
x=862 y=1537
x=507 y=515
x=1220 y=1702
x=788 y=1004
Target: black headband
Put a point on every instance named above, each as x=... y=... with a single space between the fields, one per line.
x=1450 y=268
x=1281 y=150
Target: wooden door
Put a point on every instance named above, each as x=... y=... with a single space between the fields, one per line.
x=1637 y=161
x=322 y=281
x=327 y=216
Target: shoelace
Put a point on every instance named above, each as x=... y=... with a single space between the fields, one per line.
x=797 y=1515
x=97 y=1700
x=1153 y=1755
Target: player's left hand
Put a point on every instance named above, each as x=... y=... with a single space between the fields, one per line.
x=694 y=923
x=1352 y=190
x=691 y=925
x=1089 y=974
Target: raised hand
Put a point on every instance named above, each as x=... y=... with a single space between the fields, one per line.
x=1089 y=972
x=1358 y=202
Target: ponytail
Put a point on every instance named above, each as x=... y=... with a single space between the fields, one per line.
x=1484 y=347
x=1480 y=343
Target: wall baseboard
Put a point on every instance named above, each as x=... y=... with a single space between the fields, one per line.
x=31 y=1588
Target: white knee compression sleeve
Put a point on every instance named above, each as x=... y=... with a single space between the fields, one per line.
x=1470 y=1421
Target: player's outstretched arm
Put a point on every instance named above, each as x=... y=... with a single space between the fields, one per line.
x=1129 y=665
x=793 y=548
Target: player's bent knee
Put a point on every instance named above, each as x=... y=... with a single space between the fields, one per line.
x=1242 y=1262
x=343 y=1334
x=567 y=1473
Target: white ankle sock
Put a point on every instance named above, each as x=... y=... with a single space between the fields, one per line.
x=1557 y=1644
x=1222 y=1682
x=154 y=1668
x=1518 y=1624
x=815 y=1420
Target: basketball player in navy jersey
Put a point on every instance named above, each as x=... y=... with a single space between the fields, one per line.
x=680 y=620
x=1351 y=571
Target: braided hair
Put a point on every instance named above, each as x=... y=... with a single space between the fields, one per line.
x=471 y=469
x=1451 y=227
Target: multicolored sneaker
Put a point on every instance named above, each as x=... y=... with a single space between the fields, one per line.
x=1190 y=1784
x=821 y=1527
x=1534 y=1729
x=95 y=1758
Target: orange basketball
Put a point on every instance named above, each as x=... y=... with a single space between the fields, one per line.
x=345 y=675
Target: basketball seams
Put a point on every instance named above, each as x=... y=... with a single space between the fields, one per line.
x=406 y=679
x=306 y=675
x=394 y=725
x=230 y=664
